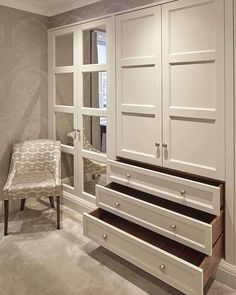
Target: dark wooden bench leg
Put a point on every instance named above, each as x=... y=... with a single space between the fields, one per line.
x=51 y=200
x=58 y=212
x=22 y=204
x=6 y=214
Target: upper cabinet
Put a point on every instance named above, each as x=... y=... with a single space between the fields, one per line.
x=170 y=86
x=138 y=94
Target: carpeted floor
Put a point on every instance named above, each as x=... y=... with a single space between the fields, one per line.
x=36 y=259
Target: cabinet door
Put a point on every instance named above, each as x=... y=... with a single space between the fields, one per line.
x=193 y=87
x=139 y=85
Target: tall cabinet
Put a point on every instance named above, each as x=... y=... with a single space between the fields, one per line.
x=81 y=102
x=170 y=86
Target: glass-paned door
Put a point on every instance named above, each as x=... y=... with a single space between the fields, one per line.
x=82 y=103
x=94 y=105
x=62 y=100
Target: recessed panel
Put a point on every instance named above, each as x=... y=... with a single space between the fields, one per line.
x=193 y=85
x=67 y=169
x=192 y=28
x=138 y=85
x=64 y=128
x=64 y=50
x=94 y=173
x=64 y=89
x=138 y=37
x=139 y=134
x=193 y=141
x=95 y=90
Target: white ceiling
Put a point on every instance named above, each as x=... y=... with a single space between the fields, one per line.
x=46 y=7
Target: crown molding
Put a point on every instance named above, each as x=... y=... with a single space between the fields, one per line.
x=46 y=9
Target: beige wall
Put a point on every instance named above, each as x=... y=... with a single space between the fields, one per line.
x=95 y=10
x=23 y=80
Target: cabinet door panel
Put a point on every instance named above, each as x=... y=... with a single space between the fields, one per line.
x=193 y=86
x=139 y=85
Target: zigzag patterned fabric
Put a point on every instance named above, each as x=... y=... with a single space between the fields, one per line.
x=35 y=170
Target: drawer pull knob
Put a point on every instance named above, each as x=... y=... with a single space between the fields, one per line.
x=162 y=267
x=157 y=144
x=183 y=192
x=128 y=176
x=117 y=204
x=173 y=226
x=104 y=236
x=164 y=145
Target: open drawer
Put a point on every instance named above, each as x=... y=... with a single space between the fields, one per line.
x=202 y=196
x=179 y=266
x=191 y=227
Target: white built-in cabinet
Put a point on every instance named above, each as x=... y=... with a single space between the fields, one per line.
x=81 y=102
x=170 y=86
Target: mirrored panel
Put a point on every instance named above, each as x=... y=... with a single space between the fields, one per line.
x=64 y=50
x=95 y=90
x=64 y=89
x=94 y=46
x=64 y=128
x=95 y=134
x=67 y=169
x=94 y=173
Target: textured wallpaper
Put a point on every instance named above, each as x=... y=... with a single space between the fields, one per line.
x=23 y=80
x=95 y=10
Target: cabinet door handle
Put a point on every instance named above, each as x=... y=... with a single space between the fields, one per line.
x=128 y=176
x=164 y=145
x=173 y=227
x=117 y=204
x=104 y=236
x=162 y=267
x=157 y=144
x=182 y=192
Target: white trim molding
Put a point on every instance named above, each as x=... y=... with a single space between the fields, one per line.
x=226 y=274
x=46 y=8
x=78 y=204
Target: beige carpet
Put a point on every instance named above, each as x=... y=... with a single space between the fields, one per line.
x=36 y=259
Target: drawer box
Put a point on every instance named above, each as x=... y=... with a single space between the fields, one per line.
x=179 y=266
x=198 y=195
x=193 y=228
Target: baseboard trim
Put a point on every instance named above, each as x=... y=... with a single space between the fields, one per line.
x=76 y=203
x=226 y=274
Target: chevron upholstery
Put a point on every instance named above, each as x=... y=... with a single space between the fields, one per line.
x=35 y=171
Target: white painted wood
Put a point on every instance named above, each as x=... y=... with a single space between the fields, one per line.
x=180 y=274
x=189 y=231
x=193 y=87
x=197 y=195
x=138 y=65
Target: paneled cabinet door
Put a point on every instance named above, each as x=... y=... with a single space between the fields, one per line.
x=193 y=87
x=139 y=85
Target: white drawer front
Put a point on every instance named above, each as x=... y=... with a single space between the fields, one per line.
x=178 y=273
x=194 y=194
x=183 y=229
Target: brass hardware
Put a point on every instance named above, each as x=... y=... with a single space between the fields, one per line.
x=162 y=267
x=128 y=176
x=173 y=226
x=117 y=204
x=157 y=144
x=164 y=145
x=104 y=236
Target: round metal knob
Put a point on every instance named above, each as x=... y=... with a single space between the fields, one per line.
x=128 y=176
x=183 y=192
x=157 y=144
x=104 y=236
x=162 y=267
x=117 y=204
x=164 y=145
x=173 y=226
